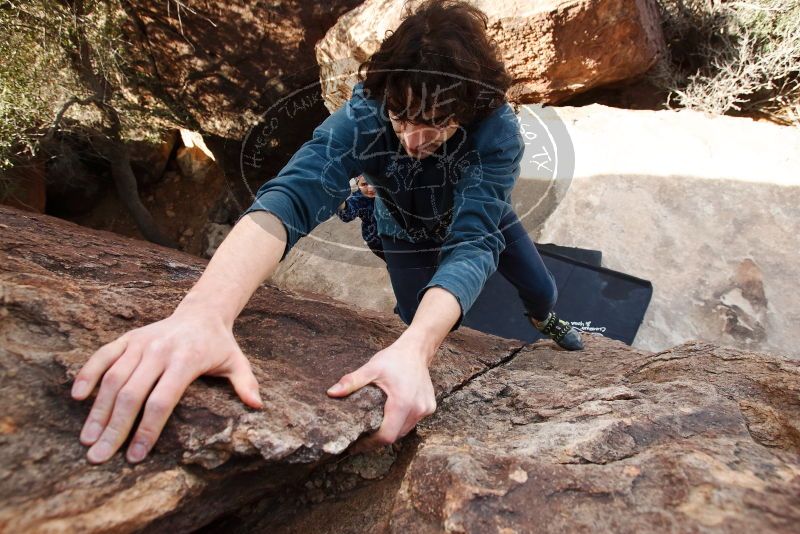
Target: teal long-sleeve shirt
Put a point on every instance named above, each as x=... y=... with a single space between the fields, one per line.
x=455 y=196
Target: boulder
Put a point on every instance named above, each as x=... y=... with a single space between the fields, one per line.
x=195 y=165
x=697 y=438
x=553 y=49
x=706 y=207
x=65 y=290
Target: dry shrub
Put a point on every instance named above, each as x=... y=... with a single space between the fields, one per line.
x=733 y=57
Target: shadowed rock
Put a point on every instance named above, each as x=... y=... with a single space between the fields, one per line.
x=218 y=65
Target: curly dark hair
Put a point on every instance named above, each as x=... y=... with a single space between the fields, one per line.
x=443 y=55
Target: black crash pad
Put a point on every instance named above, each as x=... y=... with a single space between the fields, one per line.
x=592 y=298
x=583 y=255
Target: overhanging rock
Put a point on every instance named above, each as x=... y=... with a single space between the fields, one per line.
x=66 y=290
x=610 y=439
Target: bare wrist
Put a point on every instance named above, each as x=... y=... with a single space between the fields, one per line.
x=419 y=342
x=197 y=301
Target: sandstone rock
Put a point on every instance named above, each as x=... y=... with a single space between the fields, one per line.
x=610 y=439
x=195 y=165
x=192 y=139
x=195 y=160
x=65 y=290
x=534 y=439
x=706 y=207
x=553 y=49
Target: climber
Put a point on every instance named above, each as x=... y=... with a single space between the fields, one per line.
x=428 y=127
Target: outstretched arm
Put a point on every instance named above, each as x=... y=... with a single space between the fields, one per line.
x=168 y=355
x=471 y=252
x=197 y=339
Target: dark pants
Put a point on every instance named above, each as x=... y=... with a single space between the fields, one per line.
x=412 y=265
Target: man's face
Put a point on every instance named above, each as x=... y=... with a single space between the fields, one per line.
x=423 y=133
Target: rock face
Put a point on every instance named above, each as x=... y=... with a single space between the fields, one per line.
x=65 y=290
x=705 y=207
x=214 y=67
x=693 y=439
x=553 y=49
x=525 y=439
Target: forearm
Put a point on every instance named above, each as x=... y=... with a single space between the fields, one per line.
x=438 y=311
x=247 y=256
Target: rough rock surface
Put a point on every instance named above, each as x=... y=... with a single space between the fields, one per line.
x=65 y=290
x=612 y=439
x=215 y=67
x=554 y=49
x=694 y=439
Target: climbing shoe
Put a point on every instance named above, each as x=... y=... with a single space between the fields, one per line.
x=559 y=330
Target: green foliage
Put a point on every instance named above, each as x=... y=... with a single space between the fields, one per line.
x=40 y=69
